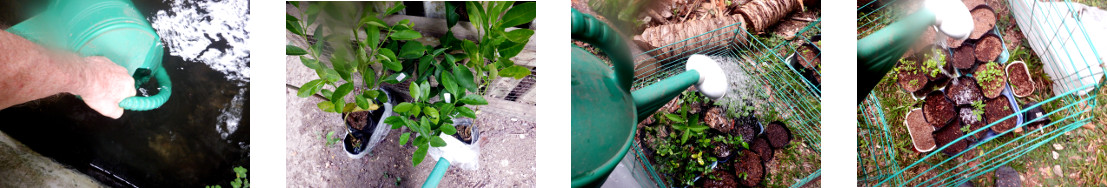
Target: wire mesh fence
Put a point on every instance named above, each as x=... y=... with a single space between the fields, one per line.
x=1069 y=63
x=765 y=80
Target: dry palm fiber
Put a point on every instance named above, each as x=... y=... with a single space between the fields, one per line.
x=762 y=14
x=656 y=38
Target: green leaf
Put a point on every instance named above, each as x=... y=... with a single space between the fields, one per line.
x=451 y=15
x=312 y=12
x=518 y=15
x=399 y=6
x=361 y=102
x=293 y=50
x=412 y=50
x=395 y=121
x=437 y=141
x=675 y=117
x=464 y=78
x=373 y=35
x=369 y=77
x=403 y=107
x=419 y=155
x=327 y=74
x=342 y=91
x=465 y=111
x=404 y=137
x=309 y=88
x=448 y=83
x=326 y=106
x=448 y=129
x=339 y=104
x=414 y=90
x=515 y=71
x=425 y=87
x=473 y=100
x=430 y=111
x=519 y=35
x=342 y=67
x=349 y=107
x=294 y=27
x=476 y=13
x=327 y=93
x=510 y=49
x=373 y=21
x=390 y=62
x=406 y=35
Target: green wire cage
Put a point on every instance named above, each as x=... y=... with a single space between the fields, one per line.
x=783 y=92
x=884 y=154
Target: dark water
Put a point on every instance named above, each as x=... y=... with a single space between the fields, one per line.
x=195 y=139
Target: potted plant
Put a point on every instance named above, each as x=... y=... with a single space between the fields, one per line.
x=909 y=75
x=999 y=108
x=778 y=135
x=984 y=19
x=937 y=109
x=447 y=79
x=1019 y=78
x=991 y=79
x=919 y=130
x=751 y=165
x=356 y=69
x=964 y=91
x=935 y=64
x=972 y=118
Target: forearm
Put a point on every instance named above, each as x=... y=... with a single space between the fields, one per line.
x=29 y=71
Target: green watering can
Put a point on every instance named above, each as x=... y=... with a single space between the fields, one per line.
x=605 y=112
x=110 y=28
x=879 y=52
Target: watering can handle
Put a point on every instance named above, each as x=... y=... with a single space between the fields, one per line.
x=592 y=31
x=138 y=103
x=437 y=174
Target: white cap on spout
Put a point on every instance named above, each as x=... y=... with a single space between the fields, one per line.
x=951 y=17
x=713 y=82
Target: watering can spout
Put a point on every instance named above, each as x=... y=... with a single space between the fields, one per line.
x=109 y=28
x=879 y=52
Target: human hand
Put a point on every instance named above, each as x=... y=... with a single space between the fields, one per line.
x=103 y=85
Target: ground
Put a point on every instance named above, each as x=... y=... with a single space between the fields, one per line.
x=1074 y=158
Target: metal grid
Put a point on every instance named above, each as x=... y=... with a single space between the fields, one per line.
x=879 y=164
x=785 y=94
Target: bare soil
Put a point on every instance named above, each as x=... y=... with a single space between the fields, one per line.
x=726 y=180
x=988 y=48
x=937 y=109
x=984 y=18
x=964 y=57
x=1020 y=81
x=999 y=108
x=762 y=148
x=778 y=135
x=920 y=130
x=946 y=136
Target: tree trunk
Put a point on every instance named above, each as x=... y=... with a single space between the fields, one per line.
x=762 y=14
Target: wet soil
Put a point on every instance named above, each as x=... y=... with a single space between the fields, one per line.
x=964 y=57
x=999 y=108
x=966 y=117
x=725 y=180
x=750 y=163
x=946 y=136
x=937 y=109
x=964 y=91
x=778 y=135
x=761 y=147
x=911 y=80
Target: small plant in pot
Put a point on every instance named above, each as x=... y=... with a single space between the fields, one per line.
x=972 y=118
x=935 y=64
x=357 y=68
x=920 y=131
x=1019 y=78
x=992 y=80
x=999 y=108
x=909 y=75
x=937 y=109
